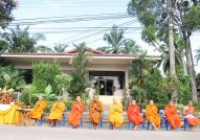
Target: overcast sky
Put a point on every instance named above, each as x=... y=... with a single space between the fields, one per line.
x=67 y=33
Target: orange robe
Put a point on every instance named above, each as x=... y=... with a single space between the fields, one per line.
x=75 y=114
x=133 y=113
x=193 y=121
x=38 y=110
x=151 y=114
x=94 y=113
x=172 y=116
x=115 y=115
x=57 y=111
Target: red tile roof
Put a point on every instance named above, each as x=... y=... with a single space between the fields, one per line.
x=72 y=52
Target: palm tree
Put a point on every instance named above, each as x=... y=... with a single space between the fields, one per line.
x=197 y=56
x=140 y=69
x=6 y=7
x=19 y=40
x=3 y=43
x=81 y=60
x=44 y=49
x=115 y=40
x=130 y=47
x=60 y=47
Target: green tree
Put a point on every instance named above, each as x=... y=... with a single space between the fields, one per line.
x=80 y=62
x=6 y=8
x=115 y=40
x=155 y=87
x=19 y=40
x=130 y=47
x=140 y=69
x=155 y=26
x=45 y=74
x=60 y=47
x=44 y=49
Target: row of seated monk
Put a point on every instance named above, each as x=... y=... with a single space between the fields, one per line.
x=115 y=114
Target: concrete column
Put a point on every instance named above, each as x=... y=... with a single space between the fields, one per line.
x=126 y=79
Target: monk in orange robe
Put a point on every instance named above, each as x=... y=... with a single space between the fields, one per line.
x=95 y=109
x=151 y=114
x=38 y=110
x=172 y=116
x=56 y=111
x=76 y=112
x=115 y=114
x=133 y=113
x=189 y=115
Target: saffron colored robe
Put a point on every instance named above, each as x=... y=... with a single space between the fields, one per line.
x=134 y=116
x=57 y=111
x=75 y=114
x=115 y=115
x=38 y=110
x=95 y=109
x=193 y=121
x=172 y=116
x=151 y=114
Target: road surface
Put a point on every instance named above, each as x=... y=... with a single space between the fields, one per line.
x=9 y=132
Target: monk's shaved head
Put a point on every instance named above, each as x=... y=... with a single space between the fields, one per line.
x=133 y=102
x=78 y=98
x=171 y=102
x=59 y=98
x=114 y=100
x=96 y=98
x=151 y=102
x=40 y=97
x=190 y=103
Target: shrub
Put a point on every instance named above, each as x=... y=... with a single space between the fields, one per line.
x=155 y=88
x=78 y=84
x=69 y=104
x=27 y=96
x=183 y=87
x=48 y=106
x=11 y=78
x=44 y=74
x=138 y=94
x=63 y=82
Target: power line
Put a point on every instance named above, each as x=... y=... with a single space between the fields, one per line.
x=87 y=31
x=69 y=20
x=75 y=16
x=90 y=35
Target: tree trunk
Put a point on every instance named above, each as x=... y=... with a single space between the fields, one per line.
x=171 y=50
x=189 y=57
x=191 y=71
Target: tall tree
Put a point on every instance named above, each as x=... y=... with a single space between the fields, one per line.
x=20 y=40
x=149 y=13
x=6 y=8
x=115 y=40
x=185 y=13
x=154 y=19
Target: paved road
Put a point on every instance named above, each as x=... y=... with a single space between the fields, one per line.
x=45 y=133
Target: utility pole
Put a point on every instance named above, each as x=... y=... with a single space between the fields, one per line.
x=171 y=49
